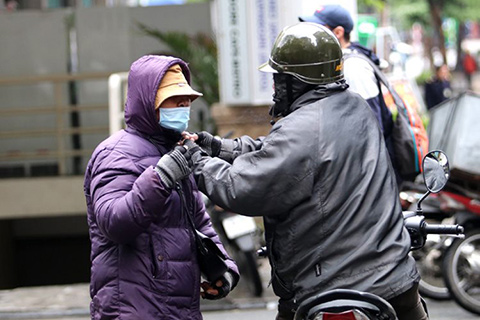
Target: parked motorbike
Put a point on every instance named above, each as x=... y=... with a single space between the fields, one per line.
x=241 y=237
x=461 y=263
x=429 y=258
x=355 y=305
x=451 y=268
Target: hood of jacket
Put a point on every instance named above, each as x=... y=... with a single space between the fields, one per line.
x=143 y=80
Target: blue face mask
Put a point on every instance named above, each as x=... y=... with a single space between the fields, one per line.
x=175 y=118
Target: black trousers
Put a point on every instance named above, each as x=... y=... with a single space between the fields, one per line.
x=408 y=306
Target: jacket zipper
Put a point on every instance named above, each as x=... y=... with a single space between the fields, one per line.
x=154 y=260
x=184 y=209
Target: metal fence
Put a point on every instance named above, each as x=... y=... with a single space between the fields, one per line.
x=62 y=128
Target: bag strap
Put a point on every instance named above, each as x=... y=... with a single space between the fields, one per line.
x=380 y=77
x=197 y=234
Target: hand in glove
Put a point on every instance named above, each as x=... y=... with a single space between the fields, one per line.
x=178 y=164
x=220 y=289
x=209 y=143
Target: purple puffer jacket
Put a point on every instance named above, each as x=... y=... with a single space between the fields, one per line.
x=143 y=252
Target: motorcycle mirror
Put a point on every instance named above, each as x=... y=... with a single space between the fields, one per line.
x=436 y=170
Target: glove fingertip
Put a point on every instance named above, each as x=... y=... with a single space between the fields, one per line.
x=182 y=149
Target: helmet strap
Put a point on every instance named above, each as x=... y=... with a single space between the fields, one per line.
x=290 y=90
x=272 y=113
x=287 y=89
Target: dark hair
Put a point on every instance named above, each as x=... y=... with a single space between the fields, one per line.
x=346 y=36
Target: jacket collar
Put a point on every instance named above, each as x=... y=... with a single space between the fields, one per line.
x=318 y=93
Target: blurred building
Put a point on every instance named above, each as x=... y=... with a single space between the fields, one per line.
x=52 y=4
x=56 y=60
x=54 y=71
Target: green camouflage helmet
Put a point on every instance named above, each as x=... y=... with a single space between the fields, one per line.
x=308 y=51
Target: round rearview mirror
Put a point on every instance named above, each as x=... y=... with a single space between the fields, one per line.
x=435 y=170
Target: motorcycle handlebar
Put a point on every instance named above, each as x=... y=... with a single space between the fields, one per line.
x=443 y=229
x=262 y=252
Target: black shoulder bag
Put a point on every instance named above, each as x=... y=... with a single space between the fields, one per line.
x=210 y=258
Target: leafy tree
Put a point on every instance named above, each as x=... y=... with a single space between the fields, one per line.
x=430 y=13
x=367 y=6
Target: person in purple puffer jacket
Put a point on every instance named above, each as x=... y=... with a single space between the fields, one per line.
x=143 y=251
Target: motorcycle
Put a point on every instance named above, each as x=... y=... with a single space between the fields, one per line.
x=461 y=263
x=241 y=237
x=355 y=305
x=451 y=268
x=429 y=258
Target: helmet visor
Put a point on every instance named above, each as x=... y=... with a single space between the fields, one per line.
x=265 y=67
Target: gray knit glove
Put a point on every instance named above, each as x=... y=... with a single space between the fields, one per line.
x=178 y=163
x=209 y=143
x=214 y=147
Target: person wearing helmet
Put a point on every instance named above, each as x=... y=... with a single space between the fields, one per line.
x=359 y=74
x=320 y=179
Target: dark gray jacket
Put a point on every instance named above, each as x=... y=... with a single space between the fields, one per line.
x=324 y=184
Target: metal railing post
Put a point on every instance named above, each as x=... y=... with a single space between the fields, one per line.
x=62 y=167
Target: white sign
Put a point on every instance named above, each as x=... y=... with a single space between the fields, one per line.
x=233 y=51
x=263 y=28
x=245 y=32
